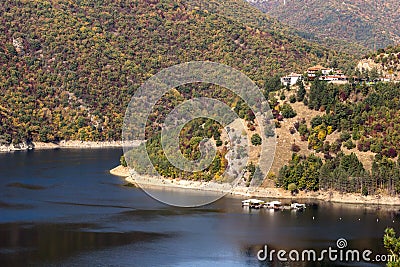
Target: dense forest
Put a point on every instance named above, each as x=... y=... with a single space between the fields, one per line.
x=366 y=24
x=68 y=69
x=197 y=130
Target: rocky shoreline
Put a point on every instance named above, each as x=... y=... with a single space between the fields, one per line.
x=276 y=193
x=62 y=144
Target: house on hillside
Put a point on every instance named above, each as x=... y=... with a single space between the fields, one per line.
x=291 y=79
x=336 y=79
x=312 y=72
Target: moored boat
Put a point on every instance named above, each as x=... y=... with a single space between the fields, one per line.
x=298 y=206
x=253 y=203
x=275 y=205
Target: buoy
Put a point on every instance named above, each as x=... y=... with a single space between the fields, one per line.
x=359 y=219
x=313 y=217
x=377 y=219
x=340 y=218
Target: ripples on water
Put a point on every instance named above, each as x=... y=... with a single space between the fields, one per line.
x=62 y=207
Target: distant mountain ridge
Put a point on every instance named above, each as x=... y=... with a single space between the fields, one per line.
x=369 y=23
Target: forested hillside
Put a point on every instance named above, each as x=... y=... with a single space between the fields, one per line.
x=365 y=122
x=369 y=23
x=68 y=69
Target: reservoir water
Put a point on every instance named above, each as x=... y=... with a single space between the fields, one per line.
x=63 y=208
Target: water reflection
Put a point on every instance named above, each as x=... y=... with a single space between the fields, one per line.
x=24 y=244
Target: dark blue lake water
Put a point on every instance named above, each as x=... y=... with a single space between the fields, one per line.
x=63 y=208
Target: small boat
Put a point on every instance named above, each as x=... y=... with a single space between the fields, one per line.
x=298 y=206
x=275 y=205
x=253 y=203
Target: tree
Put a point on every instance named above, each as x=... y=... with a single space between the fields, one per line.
x=282 y=96
x=301 y=93
x=123 y=161
x=392 y=244
x=295 y=147
x=373 y=74
x=349 y=144
x=292 y=187
x=256 y=140
x=287 y=111
x=303 y=129
x=272 y=84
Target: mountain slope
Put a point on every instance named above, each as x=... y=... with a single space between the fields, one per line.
x=68 y=69
x=370 y=23
x=385 y=62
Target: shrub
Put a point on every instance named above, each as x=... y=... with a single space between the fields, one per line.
x=316 y=121
x=344 y=136
x=303 y=129
x=296 y=125
x=292 y=187
x=390 y=153
x=295 y=148
x=219 y=142
x=256 y=140
x=336 y=146
x=364 y=146
x=287 y=111
x=356 y=135
x=349 y=144
x=123 y=161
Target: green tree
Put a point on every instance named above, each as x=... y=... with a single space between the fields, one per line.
x=301 y=92
x=292 y=187
x=287 y=111
x=303 y=129
x=272 y=84
x=373 y=74
x=123 y=161
x=392 y=244
x=256 y=140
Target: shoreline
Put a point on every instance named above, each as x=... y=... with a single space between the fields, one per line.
x=75 y=144
x=276 y=193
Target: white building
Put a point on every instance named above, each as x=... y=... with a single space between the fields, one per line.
x=312 y=72
x=291 y=79
x=337 y=79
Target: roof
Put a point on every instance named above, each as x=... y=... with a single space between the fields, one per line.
x=335 y=76
x=292 y=75
x=252 y=200
x=317 y=68
x=275 y=202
